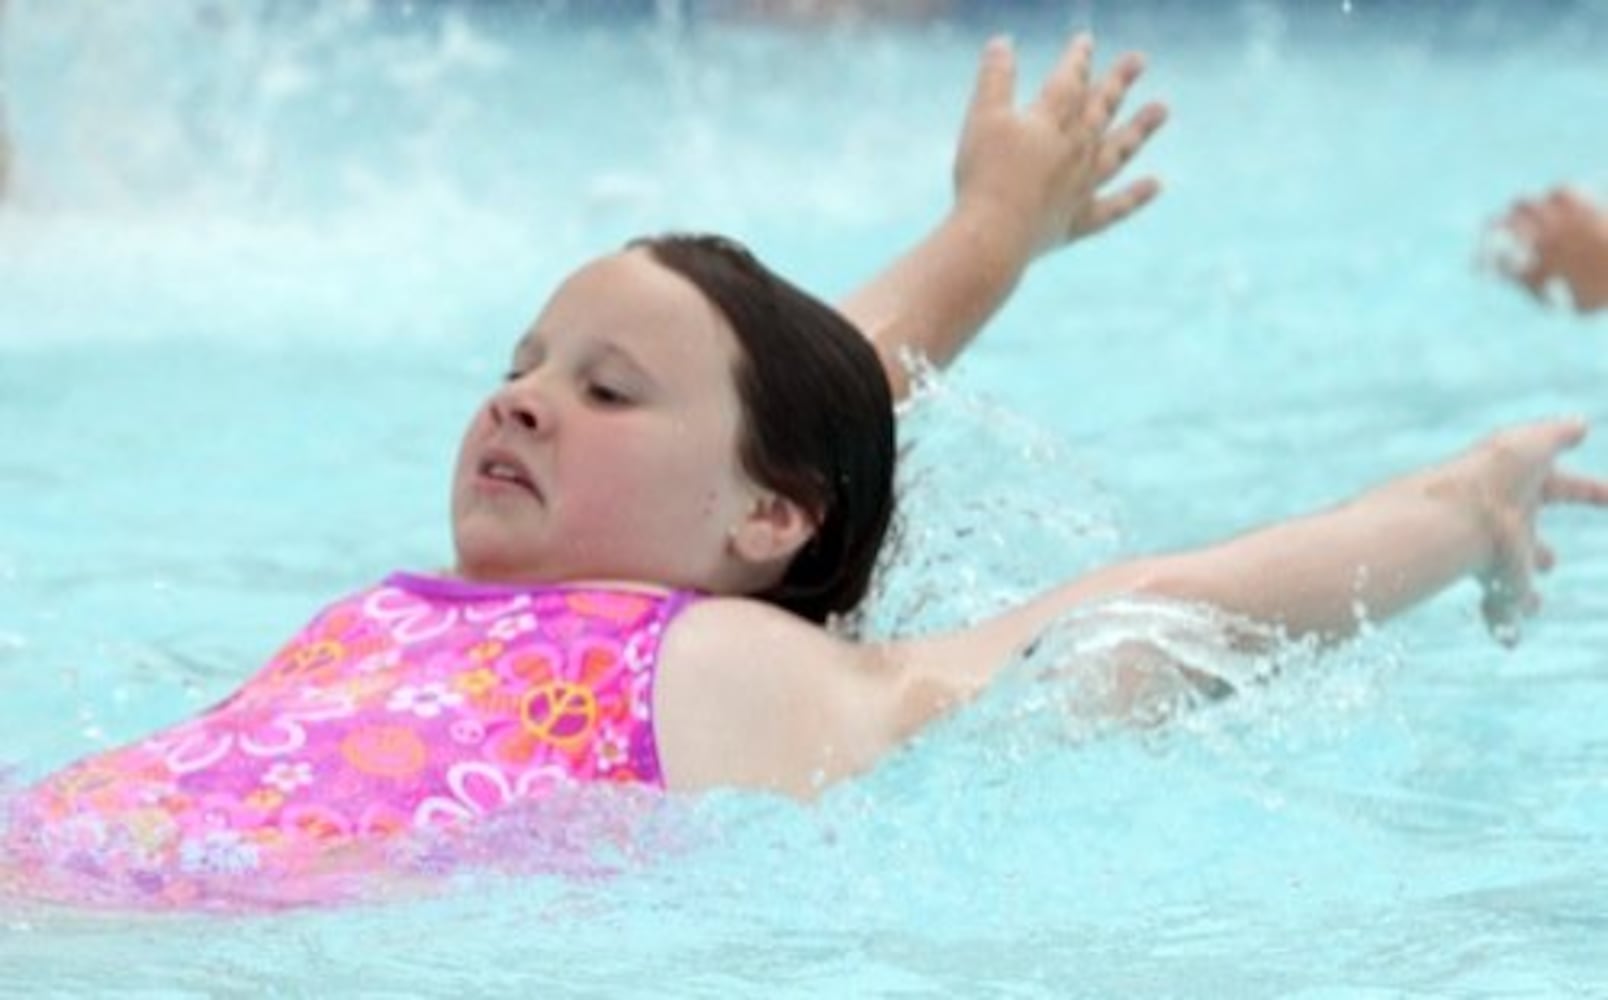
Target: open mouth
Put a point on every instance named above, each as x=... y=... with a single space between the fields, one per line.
x=505 y=469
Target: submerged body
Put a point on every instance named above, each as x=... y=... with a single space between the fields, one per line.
x=415 y=705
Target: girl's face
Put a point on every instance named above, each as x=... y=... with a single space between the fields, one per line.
x=610 y=453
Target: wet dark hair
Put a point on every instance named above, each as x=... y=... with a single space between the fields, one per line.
x=818 y=425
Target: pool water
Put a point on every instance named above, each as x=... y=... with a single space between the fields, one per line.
x=264 y=258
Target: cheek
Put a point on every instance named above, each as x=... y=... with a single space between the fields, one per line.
x=476 y=429
x=669 y=491
x=479 y=422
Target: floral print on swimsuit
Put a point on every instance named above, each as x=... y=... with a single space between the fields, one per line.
x=422 y=703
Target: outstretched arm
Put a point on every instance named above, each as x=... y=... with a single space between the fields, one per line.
x=1325 y=573
x=1027 y=181
x=1559 y=238
x=813 y=707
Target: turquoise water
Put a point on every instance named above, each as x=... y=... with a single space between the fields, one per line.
x=262 y=264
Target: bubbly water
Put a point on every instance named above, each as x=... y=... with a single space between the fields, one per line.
x=262 y=260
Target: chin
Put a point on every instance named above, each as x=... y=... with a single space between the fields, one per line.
x=479 y=557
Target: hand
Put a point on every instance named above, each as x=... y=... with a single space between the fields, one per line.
x=1505 y=480
x=1561 y=238
x=1041 y=169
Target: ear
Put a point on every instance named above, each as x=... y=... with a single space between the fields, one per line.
x=772 y=531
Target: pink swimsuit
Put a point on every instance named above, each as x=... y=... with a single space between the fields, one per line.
x=418 y=704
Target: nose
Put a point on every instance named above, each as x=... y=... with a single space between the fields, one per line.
x=522 y=403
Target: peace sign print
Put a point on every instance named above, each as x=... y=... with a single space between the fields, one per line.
x=559 y=712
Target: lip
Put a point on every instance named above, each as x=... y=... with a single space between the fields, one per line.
x=525 y=481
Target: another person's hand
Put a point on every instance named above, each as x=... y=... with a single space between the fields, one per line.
x=1503 y=482
x=1560 y=238
x=1040 y=170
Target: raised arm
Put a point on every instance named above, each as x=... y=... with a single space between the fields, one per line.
x=1558 y=239
x=1027 y=181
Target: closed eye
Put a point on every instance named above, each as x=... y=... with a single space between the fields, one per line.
x=607 y=396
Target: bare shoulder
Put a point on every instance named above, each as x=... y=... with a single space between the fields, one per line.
x=751 y=696
x=715 y=623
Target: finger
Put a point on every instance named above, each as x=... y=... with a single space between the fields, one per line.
x=1504 y=606
x=1114 y=208
x=1502 y=619
x=1565 y=199
x=1517 y=256
x=1067 y=85
x=1505 y=247
x=1112 y=89
x=1562 y=434
x=1523 y=220
x=1581 y=200
x=996 y=78
x=1534 y=281
x=1545 y=557
x=1546 y=215
x=1541 y=438
x=1563 y=487
x=1123 y=144
x=1535 y=448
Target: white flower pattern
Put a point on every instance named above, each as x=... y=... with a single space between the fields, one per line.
x=512 y=627
x=423 y=700
x=288 y=776
x=220 y=852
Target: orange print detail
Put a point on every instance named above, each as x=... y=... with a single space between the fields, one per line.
x=84 y=783
x=320 y=653
x=611 y=753
x=314 y=826
x=324 y=649
x=308 y=660
x=382 y=822
x=533 y=668
x=364 y=688
x=475 y=682
x=598 y=660
x=385 y=751
x=176 y=803
x=150 y=828
x=265 y=799
x=496 y=703
x=560 y=713
x=367 y=645
x=622 y=608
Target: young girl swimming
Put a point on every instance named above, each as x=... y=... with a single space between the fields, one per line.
x=687 y=471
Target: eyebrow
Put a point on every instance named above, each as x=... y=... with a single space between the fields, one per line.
x=605 y=348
